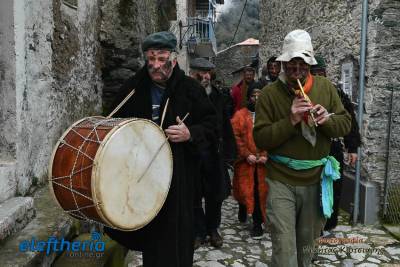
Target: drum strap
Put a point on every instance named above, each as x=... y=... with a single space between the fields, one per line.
x=121 y=104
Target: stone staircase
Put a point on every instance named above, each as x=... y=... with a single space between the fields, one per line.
x=15 y=212
x=27 y=220
x=8 y=183
x=50 y=220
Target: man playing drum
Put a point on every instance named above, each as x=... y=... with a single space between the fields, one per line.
x=161 y=85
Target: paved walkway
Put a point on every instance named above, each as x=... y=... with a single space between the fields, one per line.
x=360 y=246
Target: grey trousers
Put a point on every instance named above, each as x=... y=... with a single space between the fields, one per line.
x=295 y=220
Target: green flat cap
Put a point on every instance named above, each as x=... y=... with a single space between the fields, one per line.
x=201 y=64
x=160 y=40
x=320 y=63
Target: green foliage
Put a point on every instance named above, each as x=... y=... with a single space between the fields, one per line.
x=249 y=27
x=393 y=209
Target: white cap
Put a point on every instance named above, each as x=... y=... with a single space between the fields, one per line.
x=297 y=43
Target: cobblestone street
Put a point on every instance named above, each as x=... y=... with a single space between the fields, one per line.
x=375 y=247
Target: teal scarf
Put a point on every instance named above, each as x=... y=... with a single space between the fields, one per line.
x=329 y=174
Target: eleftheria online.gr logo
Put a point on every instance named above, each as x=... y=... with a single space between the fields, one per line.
x=52 y=244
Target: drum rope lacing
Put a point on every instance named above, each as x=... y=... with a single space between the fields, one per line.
x=94 y=123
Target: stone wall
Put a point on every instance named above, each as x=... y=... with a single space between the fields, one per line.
x=125 y=24
x=335 y=30
x=57 y=78
x=231 y=59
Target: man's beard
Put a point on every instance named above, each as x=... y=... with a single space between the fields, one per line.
x=248 y=82
x=273 y=78
x=205 y=83
x=208 y=89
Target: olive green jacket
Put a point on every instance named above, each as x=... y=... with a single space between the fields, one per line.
x=274 y=132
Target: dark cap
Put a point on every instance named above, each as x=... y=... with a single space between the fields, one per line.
x=160 y=40
x=201 y=64
x=320 y=63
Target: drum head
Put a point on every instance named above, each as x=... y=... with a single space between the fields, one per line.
x=125 y=202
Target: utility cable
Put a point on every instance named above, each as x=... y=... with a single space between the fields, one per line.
x=237 y=27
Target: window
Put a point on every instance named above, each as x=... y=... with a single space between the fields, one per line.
x=347 y=79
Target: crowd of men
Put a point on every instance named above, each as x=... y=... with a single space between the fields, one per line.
x=276 y=133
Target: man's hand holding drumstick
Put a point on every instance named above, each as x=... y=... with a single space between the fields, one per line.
x=178 y=133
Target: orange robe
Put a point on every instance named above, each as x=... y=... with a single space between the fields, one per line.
x=243 y=178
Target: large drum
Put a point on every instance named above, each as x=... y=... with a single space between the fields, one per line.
x=113 y=171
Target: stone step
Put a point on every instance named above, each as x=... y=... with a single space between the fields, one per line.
x=15 y=214
x=50 y=221
x=8 y=182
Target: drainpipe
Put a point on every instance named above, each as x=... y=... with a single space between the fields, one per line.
x=364 y=26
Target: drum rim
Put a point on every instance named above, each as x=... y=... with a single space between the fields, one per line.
x=95 y=171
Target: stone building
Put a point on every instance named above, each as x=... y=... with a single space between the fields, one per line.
x=230 y=60
x=335 y=27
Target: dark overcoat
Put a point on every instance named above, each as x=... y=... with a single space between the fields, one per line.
x=219 y=154
x=169 y=237
x=351 y=142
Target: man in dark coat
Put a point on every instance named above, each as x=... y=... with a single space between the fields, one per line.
x=226 y=92
x=351 y=142
x=214 y=184
x=168 y=239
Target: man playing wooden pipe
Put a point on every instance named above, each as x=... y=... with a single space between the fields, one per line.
x=299 y=171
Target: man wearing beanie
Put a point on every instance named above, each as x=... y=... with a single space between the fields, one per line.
x=168 y=239
x=296 y=117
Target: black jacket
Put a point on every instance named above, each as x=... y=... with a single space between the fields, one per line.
x=219 y=154
x=351 y=141
x=169 y=237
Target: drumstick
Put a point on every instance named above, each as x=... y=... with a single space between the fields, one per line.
x=158 y=151
x=120 y=104
x=184 y=118
x=163 y=114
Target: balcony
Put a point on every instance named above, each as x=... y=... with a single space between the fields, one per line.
x=201 y=39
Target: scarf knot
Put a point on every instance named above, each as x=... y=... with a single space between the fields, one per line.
x=330 y=173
